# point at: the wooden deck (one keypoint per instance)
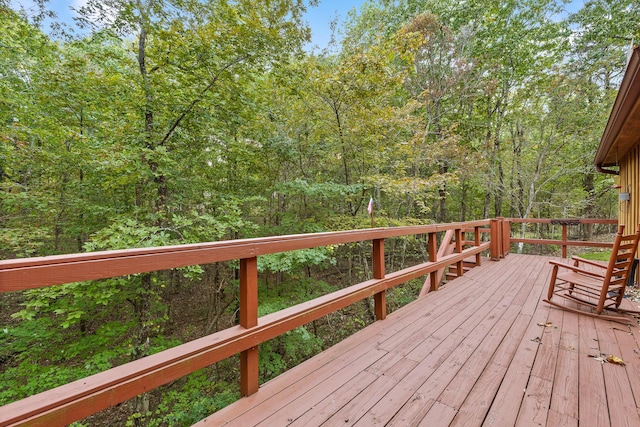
(483, 350)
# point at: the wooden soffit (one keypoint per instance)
(623, 128)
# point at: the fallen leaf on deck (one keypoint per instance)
(604, 358)
(536, 339)
(546, 325)
(614, 359)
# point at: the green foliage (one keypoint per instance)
(196, 397)
(402, 295)
(290, 293)
(38, 357)
(596, 256)
(293, 261)
(320, 191)
(286, 351)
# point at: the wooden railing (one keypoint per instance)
(454, 241)
(564, 223)
(79, 399)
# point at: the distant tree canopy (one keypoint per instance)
(177, 122)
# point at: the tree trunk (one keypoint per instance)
(140, 343)
(142, 304)
(463, 201)
(588, 185)
(442, 194)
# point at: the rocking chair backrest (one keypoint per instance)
(622, 257)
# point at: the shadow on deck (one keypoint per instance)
(483, 350)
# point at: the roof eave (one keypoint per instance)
(622, 106)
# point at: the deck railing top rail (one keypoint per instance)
(27, 273)
(552, 220)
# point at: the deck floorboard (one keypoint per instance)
(484, 350)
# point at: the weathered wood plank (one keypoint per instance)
(535, 405)
(508, 399)
(388, 404)
(413, 411)
(504, 410)
(457, 390)
(434, 360)
(317, 414)
(277, 411)
(557, 419)
(592, 402)
(438, 317)
(474, 409)
(372, 396)
(438, 411)
(552, 332)
(534, 299)
(630, 353)
(569, 335)
(475, 310)
(587, 336)
(564, 399)
(476, 406)
(622, 407)
(544, 365)
(336, 407)
(284, 387)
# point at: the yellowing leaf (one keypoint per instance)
(614, 359)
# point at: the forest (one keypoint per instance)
(162, 122)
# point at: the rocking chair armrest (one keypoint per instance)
(577, 269)
(588, 261)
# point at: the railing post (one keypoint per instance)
(459, 264)
(506, 236)
(564, 240)
(496, 240)
(380, 299)
(249, 319)
(432, 246)
(476, 231)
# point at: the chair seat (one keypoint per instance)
(583, 280)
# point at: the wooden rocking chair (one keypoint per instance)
(597, 285)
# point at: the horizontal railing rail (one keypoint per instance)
(81, 398)
(564, 223)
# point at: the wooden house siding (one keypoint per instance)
(629, 210)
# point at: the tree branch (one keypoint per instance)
(199, 98)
